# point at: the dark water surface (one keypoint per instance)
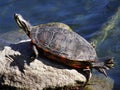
(95, 20)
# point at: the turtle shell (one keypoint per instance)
(62, 44)
(55, 25)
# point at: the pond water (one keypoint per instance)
(95, 20)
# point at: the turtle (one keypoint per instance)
(59, 43)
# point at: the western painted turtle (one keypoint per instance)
(63, 45)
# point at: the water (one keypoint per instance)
(95, 20)
(108, 43)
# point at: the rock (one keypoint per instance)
(100, 82)
(19, 72)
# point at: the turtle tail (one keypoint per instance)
(103, 66)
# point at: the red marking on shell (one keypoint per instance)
(87, 67)
(62, 57)
(76, 66)
(45, 50)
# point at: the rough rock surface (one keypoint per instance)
(17, 70)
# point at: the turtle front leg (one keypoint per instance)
(35, 52)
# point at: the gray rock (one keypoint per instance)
(17, 70)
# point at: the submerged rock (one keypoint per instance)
(19, 72)
(100, 82)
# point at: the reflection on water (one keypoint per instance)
(108, 43)
(108, 27)
(96, 20)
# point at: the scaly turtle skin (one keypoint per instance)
(58, 42)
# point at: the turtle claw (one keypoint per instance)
(107, 68)
(101, 70)
(109, 63)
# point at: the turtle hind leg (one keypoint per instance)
(87, 73)
(35, 52)
(103, 66)
(109, 63)
(101, 70)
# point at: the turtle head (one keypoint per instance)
(22, 23)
